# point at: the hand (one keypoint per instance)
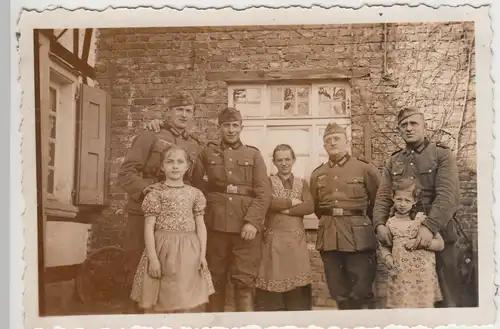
(286, 211)
(412, 244)
(384, 235)
(425, 236)
(389, 262)
(296, 202)
(248, 232)
(155, 125)
(155, 268)
(152, 187)
(203, 262)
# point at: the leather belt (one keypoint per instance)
(341, 212)
(232, 189)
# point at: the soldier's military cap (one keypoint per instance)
(407, 112)
(229, 114)
(333, 128)
(181, 99)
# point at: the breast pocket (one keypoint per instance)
(246, 167)
(356, 187)
(427, 176)
(397, 172)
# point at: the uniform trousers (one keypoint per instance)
(228, 254)
(349, 277)
(298, 299)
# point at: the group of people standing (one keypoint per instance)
(201, 216)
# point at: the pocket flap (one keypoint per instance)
(356, 180)
(245, 162)
(360, 221)
(215, 160)
(428, 169)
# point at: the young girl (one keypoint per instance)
(172, 275)
(412, 281)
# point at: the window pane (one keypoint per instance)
(53, 99)
(253, 96)
(289, 109)
(276, 94)
(303, 94)
(239, 96)
(52, 153)
(325, 94)
(276, 109)
(325, 109)
(303, 109)
(50, 181)
(289, 95)
(339, 108)
(52, 123)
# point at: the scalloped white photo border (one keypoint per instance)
(60, 18)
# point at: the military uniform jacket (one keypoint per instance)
(236, 186)
(141, 166)
(434, 167)
(344, 193)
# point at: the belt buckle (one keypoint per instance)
(337, 211)
(231, 189)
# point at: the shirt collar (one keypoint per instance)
(176, 132)
(419, 148)
(224, 145)
(283, 179)
(340, 161)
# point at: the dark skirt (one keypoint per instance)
(298, 299)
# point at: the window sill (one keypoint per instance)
(58, 209)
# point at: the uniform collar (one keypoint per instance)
(340, 161)
(224, 145)
(418, 149)
(183, 134)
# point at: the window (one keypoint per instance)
(61, 115)
(294, 114)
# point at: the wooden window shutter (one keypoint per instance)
(92, 170)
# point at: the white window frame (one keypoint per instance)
(66, 84)
(313, 121)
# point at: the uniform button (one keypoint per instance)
(336, 201)
(230, 213)
(430, 170)
(230, 199)
(412, 151)
(335, 177)
(411, 163)
(394, 173)
(412, 177)
(230, 172)
(230, 159)
(336, 190)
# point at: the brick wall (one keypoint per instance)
(427, 65)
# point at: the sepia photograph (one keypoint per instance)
(270, 167)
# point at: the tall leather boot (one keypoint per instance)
(217, 301)
(244, 299)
